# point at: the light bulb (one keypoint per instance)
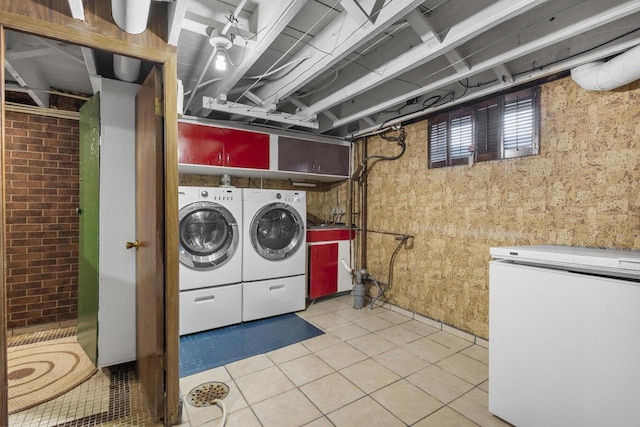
(221, 59)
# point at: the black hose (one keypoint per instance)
(403, 241)
(400, 139)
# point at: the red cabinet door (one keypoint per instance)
(214, 146)
(200, 145)
(323, 270)
(243, 149)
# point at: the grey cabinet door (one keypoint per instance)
(332, 159)
(296, 155)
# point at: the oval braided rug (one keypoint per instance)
(41, 372)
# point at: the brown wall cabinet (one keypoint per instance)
(297, 155)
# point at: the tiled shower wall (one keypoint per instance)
(42, 225)
(583, 189)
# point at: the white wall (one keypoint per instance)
(117, 298)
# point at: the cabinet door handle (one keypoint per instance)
(228, 161)
(276, 287)
(206, 298)
(219, 158)
(313, 167)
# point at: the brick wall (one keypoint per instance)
(42, 166)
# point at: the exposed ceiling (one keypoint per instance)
(344, 67)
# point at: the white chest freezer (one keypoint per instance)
(564, 336)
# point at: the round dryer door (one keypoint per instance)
(276, 231)
(208, 235)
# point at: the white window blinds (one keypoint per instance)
(518, 124)
(498, 128)
(461, 136)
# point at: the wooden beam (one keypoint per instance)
(57, 48)
(271, 20)
(77, 9)
(51, 20)
(14, 55)
(423, 27)
(29, 77)
(211, 104)
(4, 391)
(89, 60)
(536, 74)
(463, 31)
(340, 37)
(565, 32)
(176, 13)
(355, 12)
(459, 63)
(503, 74)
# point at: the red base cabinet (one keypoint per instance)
(215, 146)
(323, 270)
(327, 248)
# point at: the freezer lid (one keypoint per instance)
(612, 262)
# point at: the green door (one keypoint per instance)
(88, 278)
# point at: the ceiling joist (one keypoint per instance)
(211, 104)
(340, 37)
(29, 77)
(465, 30)
(566, 31)
(273, 20)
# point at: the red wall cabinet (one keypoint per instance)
(323, 270)
(213, 146)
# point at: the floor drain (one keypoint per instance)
(205, 394)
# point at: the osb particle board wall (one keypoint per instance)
(582, 190)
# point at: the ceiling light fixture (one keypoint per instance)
(220, 61)
(221, 44)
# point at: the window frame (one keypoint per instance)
(494, 147)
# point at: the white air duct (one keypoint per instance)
(125, 68)
(619, 71)
(131, 15)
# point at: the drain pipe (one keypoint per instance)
(363, 209)
(131, 16)
(619, 71)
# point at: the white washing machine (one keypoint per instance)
(273, 252)
(210, 238)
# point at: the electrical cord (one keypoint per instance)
(224, 411)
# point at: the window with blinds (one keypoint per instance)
(498, 128)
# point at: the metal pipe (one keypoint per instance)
(363, 210)
(204, 70)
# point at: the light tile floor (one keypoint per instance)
(371, 368)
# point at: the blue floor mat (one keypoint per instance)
(210, 349)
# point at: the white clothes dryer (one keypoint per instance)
(210, 249)
(273, 252)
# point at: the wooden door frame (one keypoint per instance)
(53, 20)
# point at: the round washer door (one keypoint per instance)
(276, 231)
(208, 235)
